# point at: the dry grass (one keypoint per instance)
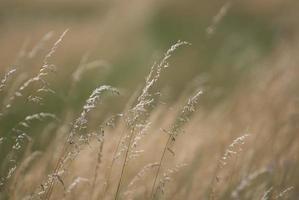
(134, 155)
(245, 147)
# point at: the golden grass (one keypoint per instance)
(244, 147)
(209, 156)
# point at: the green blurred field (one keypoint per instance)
(131, 35)
(247, 70)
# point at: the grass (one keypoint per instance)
(244, 147)
(87, 161)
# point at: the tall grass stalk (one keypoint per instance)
(139, 113)
(175, 130)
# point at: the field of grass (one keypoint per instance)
(149, 100)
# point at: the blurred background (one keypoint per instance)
(244, 56)
(118, 41)
(127, 37)
(234, 43)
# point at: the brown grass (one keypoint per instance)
(244, 147)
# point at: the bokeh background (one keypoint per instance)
(130, 35)
(247, 65)
(122, 39)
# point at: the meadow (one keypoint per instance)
(149, 100)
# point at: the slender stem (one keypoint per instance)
(50, 189)
(99, 160)
(106, 186)
(124, 165)
(159, 167)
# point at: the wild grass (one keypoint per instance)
(152, 149)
